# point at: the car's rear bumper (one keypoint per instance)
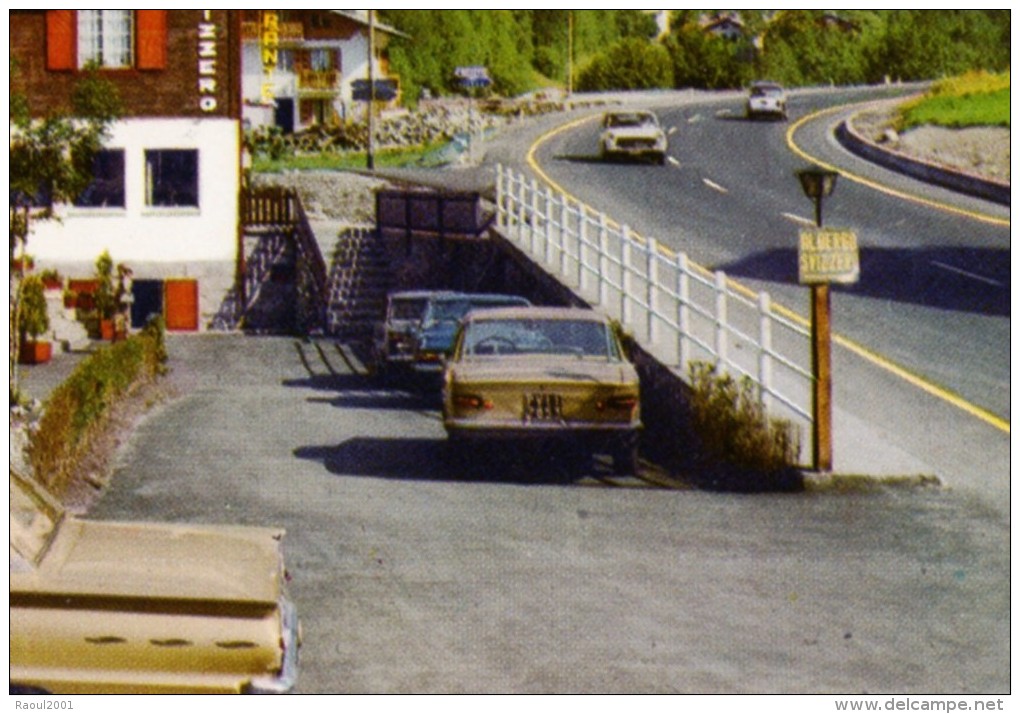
(290, 638)
(468, 430)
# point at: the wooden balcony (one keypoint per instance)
(311, 81)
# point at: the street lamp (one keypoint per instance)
(819, 184)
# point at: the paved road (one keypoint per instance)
(411, 579)
(934, 289)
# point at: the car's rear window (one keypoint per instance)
(584, 338)
(455, 309)
(407, 308)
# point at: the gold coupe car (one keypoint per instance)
(541, 374)
(103, 607)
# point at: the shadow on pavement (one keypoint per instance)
(963, 279)
(430, 460)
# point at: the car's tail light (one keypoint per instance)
(621, 403)
(471, 401)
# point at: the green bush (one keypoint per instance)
(78, 410)
(33, 319)
(735, 433)
(628, 64)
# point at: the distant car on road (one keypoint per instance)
(766, 99)
(109, 608)
(634, 134)
(433, 340)
(542, 375)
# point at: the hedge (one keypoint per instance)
(76, 412)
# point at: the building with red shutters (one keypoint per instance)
(164, 197)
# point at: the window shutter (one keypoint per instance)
(151, 29)
(60, 26)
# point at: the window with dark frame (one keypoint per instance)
(171, 177)
(107, 186)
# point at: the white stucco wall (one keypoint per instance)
(138, 232)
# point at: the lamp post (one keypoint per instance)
(817, 185)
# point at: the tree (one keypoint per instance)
(51, 160)
(703, 60)
(631, 63)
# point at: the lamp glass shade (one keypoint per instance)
(817, 182)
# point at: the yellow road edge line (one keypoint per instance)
(940, 392)
(983, 217)
(845, 342)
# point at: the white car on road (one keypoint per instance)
(632, 133)
(766, 99)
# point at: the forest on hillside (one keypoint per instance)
(619, 49)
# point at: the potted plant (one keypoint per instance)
(105, 300)
(51, 279)
(22, 264)
(33, 321)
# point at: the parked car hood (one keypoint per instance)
(178, 562)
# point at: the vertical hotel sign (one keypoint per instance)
(207, 55)
(270, 42)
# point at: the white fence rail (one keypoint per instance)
(678, 311)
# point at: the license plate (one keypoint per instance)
(543, 407)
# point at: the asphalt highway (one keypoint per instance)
(934, 289)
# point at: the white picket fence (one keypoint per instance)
(678, 311)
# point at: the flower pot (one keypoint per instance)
(106, 331)
(84, 290)
(35, 352)
(22, 265)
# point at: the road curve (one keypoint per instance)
(933, 302)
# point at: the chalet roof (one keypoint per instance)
(361, 17)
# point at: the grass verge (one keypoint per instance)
(973, 99)
(428, 156)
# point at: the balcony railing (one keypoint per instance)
(315, 80)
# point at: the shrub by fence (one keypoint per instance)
(78, 410)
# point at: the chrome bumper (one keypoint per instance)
(286, 678)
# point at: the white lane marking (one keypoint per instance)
(692, 119)
(966, 273)
(672, 130)
(798, 219)
(673, 161)
(723, 112)
(712, 184)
